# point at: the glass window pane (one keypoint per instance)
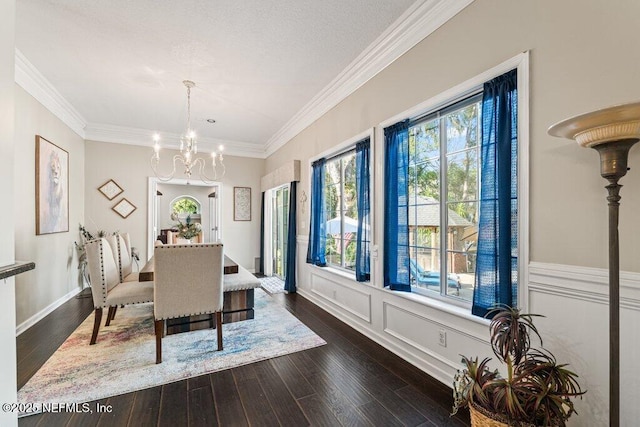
(425, 269)
(350, 253)
(426, 140)
(426, 179)
(332, 201)
(462, 245)
(462, 128)
(350, 198)
(462, 176)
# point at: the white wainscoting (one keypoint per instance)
(576, 329)
(573, 299)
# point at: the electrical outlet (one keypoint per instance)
(442, 337)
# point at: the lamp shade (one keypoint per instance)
(597, 127)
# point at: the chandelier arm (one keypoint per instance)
(154, 166)
(201, 163)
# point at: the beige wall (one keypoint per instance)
(584, 55)
(130, 167)
(7, 255)
(56, 273)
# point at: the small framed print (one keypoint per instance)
(110, 189)
(242, 203)
(124, 208)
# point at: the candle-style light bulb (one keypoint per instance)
(156, 145)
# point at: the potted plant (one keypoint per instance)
(536, 391)
(186, 230)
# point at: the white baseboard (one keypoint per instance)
(406, 354)
(43, 313)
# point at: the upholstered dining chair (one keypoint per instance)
(188, 282)
(107, 289)
(121, 246)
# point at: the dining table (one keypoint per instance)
(238, 304)
(146, 273)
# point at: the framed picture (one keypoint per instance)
(110, 189)
(242, 203)
(124, 208)
(52, 188)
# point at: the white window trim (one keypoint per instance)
(344, 146)
(521, 63)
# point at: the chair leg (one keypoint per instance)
(159, 330)
(113, 316)
(96, 325)
(219, 329)
(110, 315)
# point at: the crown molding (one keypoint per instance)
(143, 137)
(418, 22)
(36, 85)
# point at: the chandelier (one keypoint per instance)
(188, 152)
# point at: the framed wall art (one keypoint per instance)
(242, 203)
(52, 188)
(110, 189)
(124, 208)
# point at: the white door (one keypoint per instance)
(214, 215)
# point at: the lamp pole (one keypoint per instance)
(611, 132)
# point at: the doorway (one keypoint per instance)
(208, 196)
(279, 229)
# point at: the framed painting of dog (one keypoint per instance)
(52, 188)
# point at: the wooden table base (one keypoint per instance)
(238, 306)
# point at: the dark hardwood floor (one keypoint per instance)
(351, 381)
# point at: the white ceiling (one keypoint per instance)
(255, 63)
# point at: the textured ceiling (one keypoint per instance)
(255, 62)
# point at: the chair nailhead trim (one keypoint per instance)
(119, 258)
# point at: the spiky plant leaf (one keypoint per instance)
(510, 333)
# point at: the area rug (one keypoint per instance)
(272, 284)
(123, 359)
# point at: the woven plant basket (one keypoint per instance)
(480, 417)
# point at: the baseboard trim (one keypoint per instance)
(45, 311)
(415, 359)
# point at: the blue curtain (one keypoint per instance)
(363, 238)
(262, 234)
(396, 213)
(497, 261)
(317, 234)
(290, 272)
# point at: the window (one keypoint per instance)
(184, 206)
(452, 213)
(443, 199)
(341, 210)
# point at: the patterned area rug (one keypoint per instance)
(272, 284)
(123, 359)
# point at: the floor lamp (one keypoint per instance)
(612, 132)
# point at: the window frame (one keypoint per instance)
(337, 150)
(463, 90)
(440, 115)
(341, 156)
